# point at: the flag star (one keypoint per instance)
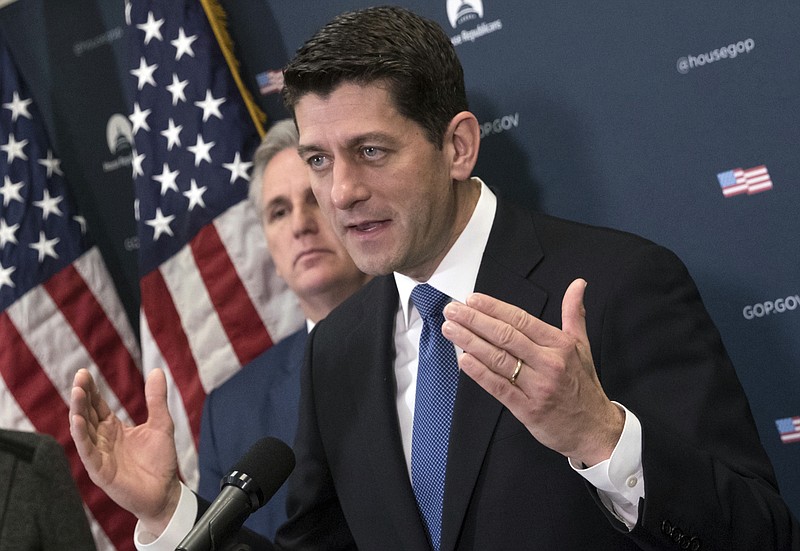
(172, 134)
(45, 247)
(167, 179)
(176, 89)
(195, 195)
(18, 107)
(136, 164)
(151, 28)
(238, 168)
(144, 73)
(81, 222)
(15, 149)
(201, 150)
(210, 106)
(5, 276)
(49, 205)
(183, 44)
(10, 191)
(160, 224)
(8, 234)
(52, 164)
(139, 118)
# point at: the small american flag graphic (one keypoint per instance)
(789, 429)
(270, 82)
(744, 180)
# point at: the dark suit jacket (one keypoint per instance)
(709, 483)
(40, 508)
(259, 400)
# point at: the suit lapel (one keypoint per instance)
(371, 346)
(511, 254)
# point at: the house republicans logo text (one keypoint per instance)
(462, 13)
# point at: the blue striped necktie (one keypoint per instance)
(437, 380)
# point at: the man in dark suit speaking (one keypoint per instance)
(595, 406)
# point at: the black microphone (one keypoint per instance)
(253, 481)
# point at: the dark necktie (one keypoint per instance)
(437, 380)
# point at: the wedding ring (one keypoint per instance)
(513, 378)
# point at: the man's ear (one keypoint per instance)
(464, 137)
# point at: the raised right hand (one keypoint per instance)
(136, 466)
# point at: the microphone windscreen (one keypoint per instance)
(269, 462)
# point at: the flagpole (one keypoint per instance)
(217, 19)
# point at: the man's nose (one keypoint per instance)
(304, 219)
(348, 187)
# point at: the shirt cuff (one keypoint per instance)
(620, 479)
(179, 525)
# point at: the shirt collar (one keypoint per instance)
(456, 274)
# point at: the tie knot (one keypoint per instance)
(429, 301)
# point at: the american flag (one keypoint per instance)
(789, 429)
(748, 180)
(270, 82)
(59, 310)
(210, 298)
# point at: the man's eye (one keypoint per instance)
(317, 161)
(371, 152)
(276, 214)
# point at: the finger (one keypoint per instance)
(80, 404)
(573, 312)
(533, 328)
(155, 394)
(83, 435)
(501, 361)
(494, 342)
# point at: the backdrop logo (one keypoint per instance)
(119, 137)
(687, 63)
(769, 307)
(460, 12)
(789, 429)
(498, 126)
(470, 14)
(747, 180)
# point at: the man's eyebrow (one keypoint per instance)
(277, 200)
(303, 150)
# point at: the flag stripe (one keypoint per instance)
(32, 391)
(240, 230)
(239, 318)
(92, 269)
(210, 347)
(165, 326)
(99, 338)
(184, 439)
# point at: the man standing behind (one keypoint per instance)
(261, 399)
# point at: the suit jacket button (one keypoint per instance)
(666, 528)
(695, 544)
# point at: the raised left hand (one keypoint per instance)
(556, 393)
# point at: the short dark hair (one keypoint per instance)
(411, 54)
